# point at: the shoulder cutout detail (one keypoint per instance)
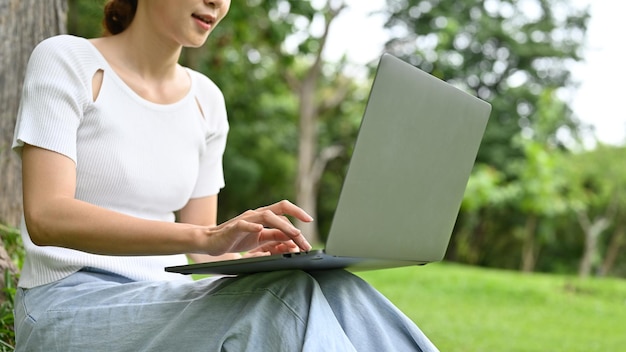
(200, 107)
(96, 83)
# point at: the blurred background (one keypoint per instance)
(547, 193)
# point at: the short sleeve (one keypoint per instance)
(211, 172)
(53, 98)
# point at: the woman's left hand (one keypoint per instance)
(273, 248)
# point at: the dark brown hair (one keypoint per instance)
(118, 14)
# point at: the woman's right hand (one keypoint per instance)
(266, 229)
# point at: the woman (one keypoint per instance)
(115, 138)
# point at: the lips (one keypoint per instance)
(208, 19)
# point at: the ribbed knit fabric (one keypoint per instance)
(132, 156)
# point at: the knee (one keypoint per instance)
(280, 283)
(291, 282)
(294, 289)
(338, 277)
(341, 283)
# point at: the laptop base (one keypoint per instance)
(307, 261)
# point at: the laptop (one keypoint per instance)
(414, 152)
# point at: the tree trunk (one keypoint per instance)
(586, 261)
(309, 161)
(592, 230)
(612, 252)
(528, 248)
(23, 24)
(306, 185)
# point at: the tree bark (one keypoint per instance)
(528, 248)
(612, 252)
(309, 161)
(23, 24)
(306, 193)
(593, 230)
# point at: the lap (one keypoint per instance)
(278, 311)
(93, 311)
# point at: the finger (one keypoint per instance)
(242, 226)
(256, 253)
(282, 217)
(285, 219)
(266, 217)
(270, 220)
(285, 207)
(288, 247)
(271, 235)
(278, 248)
(278, 235)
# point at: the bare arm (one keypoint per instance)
(203, 211)
(54, 217)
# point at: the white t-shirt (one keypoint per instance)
(132, 156)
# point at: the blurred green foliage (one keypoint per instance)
(525, 198)
(11, 241)
(504, 51)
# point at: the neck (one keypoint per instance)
(148, 54)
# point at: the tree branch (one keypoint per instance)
(331, 14)
(340, 95)
(327, 154)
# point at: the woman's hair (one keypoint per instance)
(118, 14)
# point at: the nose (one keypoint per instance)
(214, 3)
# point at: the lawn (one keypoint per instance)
(467, 309)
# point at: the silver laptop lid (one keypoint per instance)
(415, 150)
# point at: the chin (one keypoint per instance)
(194, 46)
(196, 43)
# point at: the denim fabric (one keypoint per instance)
(278, 311)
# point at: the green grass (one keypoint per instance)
(463, 308)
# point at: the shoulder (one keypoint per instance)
(71, 52)
(62, 45)
(204, 87)
(211, 100)
(62, 64)
(63, 40)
